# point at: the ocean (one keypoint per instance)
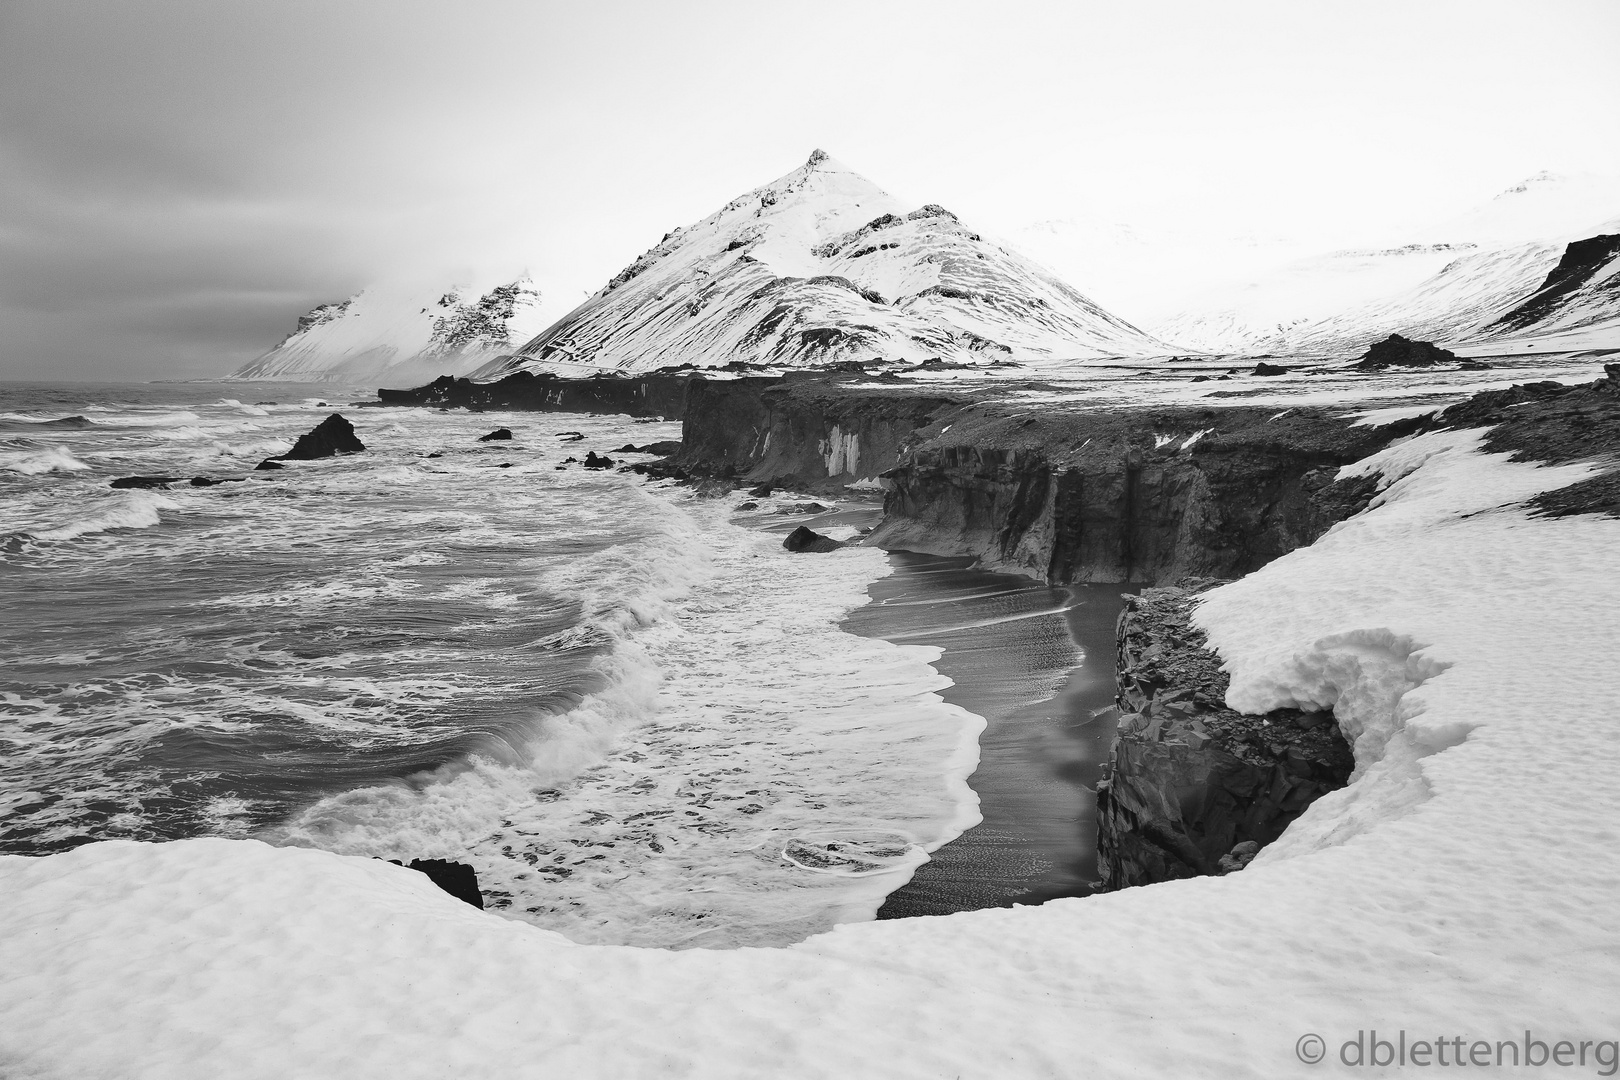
(637, 717)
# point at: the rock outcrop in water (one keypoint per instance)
(805, 539)
(1194, 788)
(332, 436)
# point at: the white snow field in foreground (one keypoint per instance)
(1460, 887)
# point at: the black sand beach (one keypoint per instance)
(1005, 638)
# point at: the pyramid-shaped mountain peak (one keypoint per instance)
(823, 266)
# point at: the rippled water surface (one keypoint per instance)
(637, 718)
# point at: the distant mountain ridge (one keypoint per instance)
(1456, 282)
(394, 333)
(822, 266)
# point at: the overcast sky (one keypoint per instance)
(179, 181)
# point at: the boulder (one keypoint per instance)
(267, 464)
(1396, 351)
(594, 462)
(763, 491)
(1263, 368)
(804, 539)
(498, 435)
(748, 506)
(330, 437)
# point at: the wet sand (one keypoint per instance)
(1035, 661)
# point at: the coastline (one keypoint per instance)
(1035, 661)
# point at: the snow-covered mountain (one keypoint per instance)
(822, 266)
(1578, 303)
(399, 332)
(1452, 283)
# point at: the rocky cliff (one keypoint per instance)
(811, 433)
(649, 395)
(1190, 780)
(1070, 494)
(1060, 492)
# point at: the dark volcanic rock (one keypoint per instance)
(1263, 368)
(663, 449)
(1581, 262)
(1194, 788)
(1396, 351)
(148, 481)
(331, 436)
(762, 491)
(267, 464)
(805, 539)
(647, 396)
(594, 462)
(1078, 494)
(457, 879)
(498, 435)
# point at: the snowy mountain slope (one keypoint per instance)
(1146, 270)
(821, 266)
(1454, 281)
(1581, 293)
(399, 332)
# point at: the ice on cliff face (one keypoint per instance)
(1449, 284)
(1460, 887)
(402, 333)
(823, 266)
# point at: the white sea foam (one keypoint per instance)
(126, 510)
(35, 462)
(155, 420)
(757, 772)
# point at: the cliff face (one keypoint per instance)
(1148, 495)
(810, 433)
(1189, 780)
(650, 395)
(1057, 492)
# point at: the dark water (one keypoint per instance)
(1036, 662)
(205, 661)
(626, 706)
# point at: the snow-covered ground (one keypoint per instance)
(1459, 888)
